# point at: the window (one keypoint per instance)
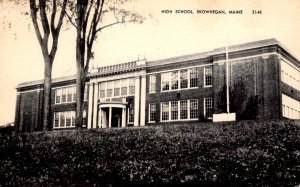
(68, 119)
(174, 110)
(130, 115)
(152, 83)
(179, 110)
(58, 95)
(290, 107)
(174, 80)
(194, 109)
(109, 89)
(70, 94)
(165, 111)
(193, 77)
(64, 119)
(73, 118)
(183, 110)
(56, 119)
(65, 94)
(183, 78)
(152, 111)
(208, 107)
(132, 86)
(102, 89)
(290, 74)
(117, 87)
(165, 81)
(179, 79)
(124, 84)
(208, 76)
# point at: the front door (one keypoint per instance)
(116, 117)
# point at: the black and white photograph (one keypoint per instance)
(120, 93)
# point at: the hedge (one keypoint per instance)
(232, 154)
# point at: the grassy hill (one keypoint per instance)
(243, 153)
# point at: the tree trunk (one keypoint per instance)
(79, 96)
(47, 94)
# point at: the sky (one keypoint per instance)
(160, 36)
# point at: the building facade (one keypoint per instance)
(263, 81)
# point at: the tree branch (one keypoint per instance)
(44, 19)
(33, 11)
(70, 19)
(53, 14)
(56, 31)
(109, 25)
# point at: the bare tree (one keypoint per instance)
(48, 27)
(47, 19)
(88, 19)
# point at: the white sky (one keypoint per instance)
(165, 35)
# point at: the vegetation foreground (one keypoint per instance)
(244, 153)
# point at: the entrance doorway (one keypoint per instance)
(110, 116)
(116, 117)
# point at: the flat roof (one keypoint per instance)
(201, 55)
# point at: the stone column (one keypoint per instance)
(95, 105)
(123, 117)
(109, 118)
(137, 102)
(143, 100)
(90, 106)
(99, 117)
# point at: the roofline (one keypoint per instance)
(222, 50)
(189, 57)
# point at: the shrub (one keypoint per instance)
(244, 153)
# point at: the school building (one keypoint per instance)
(263, 82)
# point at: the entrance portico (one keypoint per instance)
(112, 112)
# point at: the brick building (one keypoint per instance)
(263, 81)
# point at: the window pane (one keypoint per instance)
(62, 119)
(174, 110)
(70, 93)
(152, 111)
(152, 83)
(68, 119)
(124, 85)
(124, 91)
(132, 86)
(208, 76)
(184, 78)
(165, 81)
(183, 110)
(109, 93)
(56, 119)
(194, 109)
(58, 95)
(208, 107)
(109, 87)
(64, 95)
(117, 92)
(73, 118)
(165, 111)
(174, 80)
(117, 85)
(130, 115)
(193, 77)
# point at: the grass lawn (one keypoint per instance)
(231, 154)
